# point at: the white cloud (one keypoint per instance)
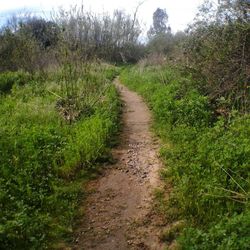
(180, 12)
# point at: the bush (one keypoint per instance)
(221, 68)
(8, 79)
(231, 233)
(210, 170)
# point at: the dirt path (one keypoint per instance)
(119, 212)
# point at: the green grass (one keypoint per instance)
(207, 159)
(45, 161)
(8, 79)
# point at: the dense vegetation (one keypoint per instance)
(34, 44)
(47, 151)
(207, 159)
(59, 113)
(197, 85)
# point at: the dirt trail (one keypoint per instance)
(119, 212)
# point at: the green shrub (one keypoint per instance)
(210, 169)
(8, 79)
(111, 72)
(230, 233)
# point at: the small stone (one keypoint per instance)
(130, 242)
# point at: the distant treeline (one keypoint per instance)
(30, 43)
(214, 49)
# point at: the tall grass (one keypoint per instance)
(207, 160)
(45, 160)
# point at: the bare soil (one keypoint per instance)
(119, 213)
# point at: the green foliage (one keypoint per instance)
(231, 233)
(8, 79)
(217, 53)
(18, 52)
(162, 43)
(207, 158)
(32, 43)
(214, 164)
(160, 20)
(173, 231)
(46, 33)
(111, 72)
(45, 161)
(160, 37)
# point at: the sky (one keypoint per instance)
(180, 12)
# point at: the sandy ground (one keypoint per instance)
(119, 213)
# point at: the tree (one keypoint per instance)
(160, 20)
(18, 51)
(110, 37)
(46, 33)
(160, 37)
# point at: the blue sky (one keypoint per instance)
(181, 12)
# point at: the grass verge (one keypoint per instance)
(207, 161)
(45, 159)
